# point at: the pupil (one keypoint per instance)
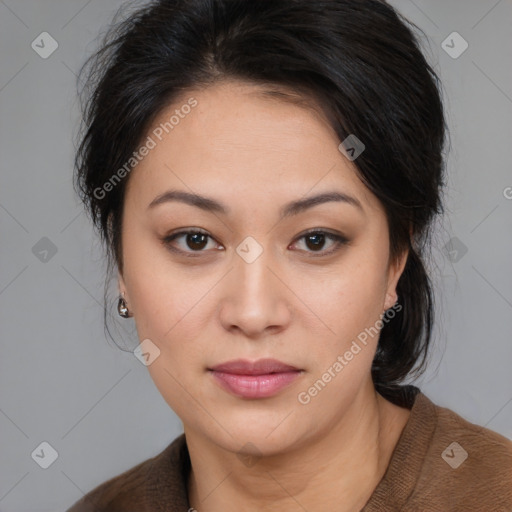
(319, 240)
(197, 238)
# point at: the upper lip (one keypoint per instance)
(260, 367)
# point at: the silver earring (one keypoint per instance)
(122, 308)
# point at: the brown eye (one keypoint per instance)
(190, 241)
(196, 241)
(315, 242)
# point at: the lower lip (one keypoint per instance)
(255, 386)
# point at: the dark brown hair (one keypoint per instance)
(360, 62)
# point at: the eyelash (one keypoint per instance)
(338, 239)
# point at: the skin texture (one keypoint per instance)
(294, 303)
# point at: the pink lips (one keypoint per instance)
(259, 379)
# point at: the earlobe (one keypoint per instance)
(122, 301)
(121, 285)
(390, 300)
(395, 272)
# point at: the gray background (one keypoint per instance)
(62, 382)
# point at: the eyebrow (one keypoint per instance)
(293, 208)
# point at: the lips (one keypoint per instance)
(260, 367)
(250, 380)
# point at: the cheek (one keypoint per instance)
(168, 306)
(172, 385)
(346, 300)
(349, 304)
(160, 293)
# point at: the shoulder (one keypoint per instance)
(128, 490)
(116, 494)
(466, 465)
(474, 446)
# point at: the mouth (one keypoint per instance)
(260, 379)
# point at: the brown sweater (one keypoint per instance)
(441, 463)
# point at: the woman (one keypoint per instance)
(265, 175)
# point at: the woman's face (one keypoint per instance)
(255, 287)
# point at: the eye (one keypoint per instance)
(193, 240)
(315, 241)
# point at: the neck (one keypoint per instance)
(334, 470)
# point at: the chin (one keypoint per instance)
(257, 440)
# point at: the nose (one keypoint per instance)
(255, 299)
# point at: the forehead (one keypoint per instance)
(241, 139)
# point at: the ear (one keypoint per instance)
(122, 286)
(395, 270)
